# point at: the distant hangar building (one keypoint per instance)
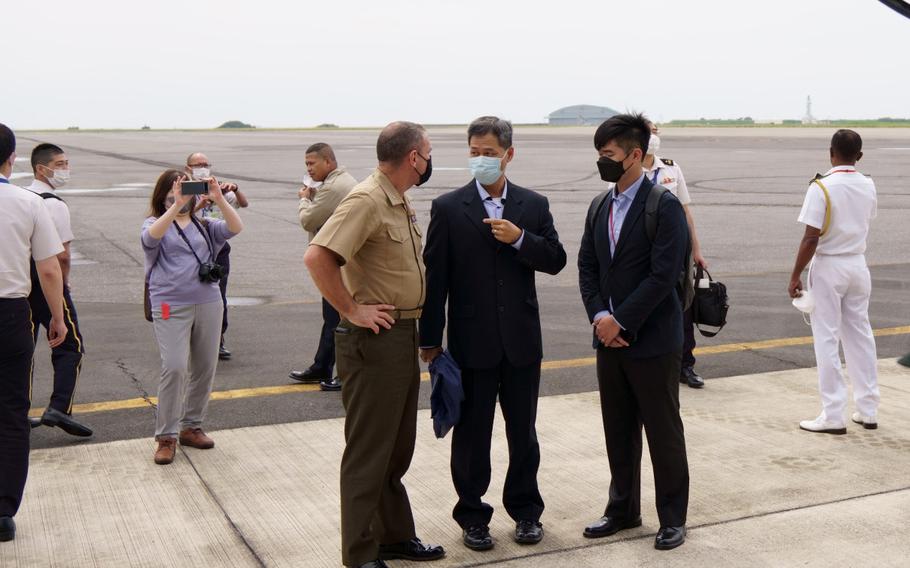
(580, 115)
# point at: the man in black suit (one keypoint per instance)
(484, 244)
(628, 280)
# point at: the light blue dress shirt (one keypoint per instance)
(620, 203)
(495, 206)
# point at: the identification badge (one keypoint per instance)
(165, 311)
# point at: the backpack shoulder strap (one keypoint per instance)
(596, 206)
(651, 206)
(49, 195)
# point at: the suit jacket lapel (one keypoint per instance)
(635, 211)
(512, 209)
(476, 212)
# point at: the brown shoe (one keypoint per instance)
(167, 447)
(196, 438)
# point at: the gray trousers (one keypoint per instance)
(188, 341)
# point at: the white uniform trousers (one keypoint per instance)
(841, 286)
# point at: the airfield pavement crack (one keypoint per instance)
(120, 247)
(721, 522)
(162, 164)
(136, 382)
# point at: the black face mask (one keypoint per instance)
(425, 176)
(610, 170)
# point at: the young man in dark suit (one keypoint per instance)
(628, 282)
(484, 244)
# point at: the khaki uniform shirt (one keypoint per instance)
(375, 232)
(26, 230)
(315, 212)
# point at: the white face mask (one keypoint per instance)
(486, 169)
(654, 144)
(202, 173)
(310, 182)
(59, 178)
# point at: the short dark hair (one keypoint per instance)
(324, 150)
(7, 143)
(44, 153)
(628, 131)
(397, 140)
(498, 127)
(846, 144)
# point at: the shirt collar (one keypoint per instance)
(391, 193)
(631, 191)
(334, 173)
(654, 167)
(852, 169)
(39, 186)
(484, 194)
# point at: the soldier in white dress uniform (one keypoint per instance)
(838, 210)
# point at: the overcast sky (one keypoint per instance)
(167, 63)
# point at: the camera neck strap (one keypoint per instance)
(204, 237)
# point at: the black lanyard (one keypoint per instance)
(204, 237)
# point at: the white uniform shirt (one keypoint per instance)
(853, 206)
(26, 229)
(211, 210)
(669, 176)
(58, 210)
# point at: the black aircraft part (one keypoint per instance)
(902, 8)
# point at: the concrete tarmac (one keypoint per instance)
(763, 493)
(747, 186)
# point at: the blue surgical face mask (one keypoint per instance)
(486, 169)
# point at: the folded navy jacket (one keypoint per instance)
(447, 394)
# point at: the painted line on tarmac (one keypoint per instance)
(107, 406)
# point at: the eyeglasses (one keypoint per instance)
(202, 165)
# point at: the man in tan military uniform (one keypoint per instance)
(316, 206)
(366, 261)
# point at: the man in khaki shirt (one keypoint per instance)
(316, 206)
(366, 261)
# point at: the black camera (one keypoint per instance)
(210, 272)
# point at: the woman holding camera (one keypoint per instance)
(186, 306)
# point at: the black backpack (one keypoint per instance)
(685, 286)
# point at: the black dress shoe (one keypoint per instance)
(605, 526)
(374, 564)
(691, 378)
(223, 353)
(670, 537)
(34, 421)
(477, 537)
(7, 529)
(411, 550)
(528, 532)
(310, 376)
(65, 422)
(330, 385)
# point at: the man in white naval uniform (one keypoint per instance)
(838, 210)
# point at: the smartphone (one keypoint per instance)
(194, 187)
